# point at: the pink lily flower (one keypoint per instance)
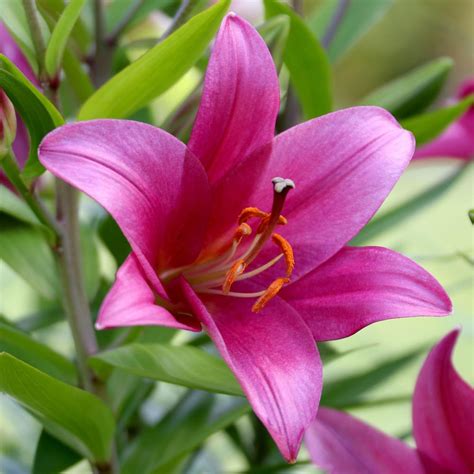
(203, 254)
(443, 427)
(457, 141)
(10, 49)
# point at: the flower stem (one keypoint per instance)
(103, 53)
(37, 36)
(124, 22)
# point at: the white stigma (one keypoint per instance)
(280, 184)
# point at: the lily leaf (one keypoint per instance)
(427, 126)
(12, 205)
(60, 36)
(81, 420)
(24, 347)
(38, 113)
(307, 62)
(157, 70)
(357, 18)
(183, 429)
(413, 92)
(180, 365)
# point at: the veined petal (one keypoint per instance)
(131, 302)
(274, 358)
(443, 415)
(363, 285)
(343, 164)
(240, 100)
(154, 188)
(342, 444)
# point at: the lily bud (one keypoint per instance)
(7, 123)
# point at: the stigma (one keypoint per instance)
(255, 228)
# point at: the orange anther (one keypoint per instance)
(235, 270)
(270, 292)
(250, 212)
(287, 251)
(241, 231)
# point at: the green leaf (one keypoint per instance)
(24, 250)
(114, 239)
(38, 113)
(347, 390)
(76, 77)
(12, 205)
(81, 420)
(413, 92)
(52, 456)
(307, 62)
(157, 70)
(40, 319)
(60, 36)
(358, 17)
(427, 126)
(407, 209)
(470, 213)
(180, 365)
(275, 32)
(90, 261)
(183, 429)
(24, 347)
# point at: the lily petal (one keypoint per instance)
(131, 302)
(360, 286)
(154, 188)
(344, 164)
(342, 444)
(274, 358)
(240, 100)
(443, 416)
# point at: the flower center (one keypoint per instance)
(217, 276)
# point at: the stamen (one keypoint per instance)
(241, 231)
(270, 292)
(250, 212)
(236, 294)
(287, 251)
(235, 270)
(281, 221)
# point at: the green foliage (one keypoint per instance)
(275, 32)
(183, 429)
(413, 92)
(181, 365)
(60, 36)
(157, 70)
(15, 207)
(76, 417)
(357, 18)
(24, 347)
(39, 115)
(52, 456)
(428, 126)
(307, 62)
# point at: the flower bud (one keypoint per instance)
(7, 123)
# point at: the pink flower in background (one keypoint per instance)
(221, 239)
(10, 49)
(443, 427)
(457, 141)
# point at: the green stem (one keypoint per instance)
(12, 171)
(103, 53)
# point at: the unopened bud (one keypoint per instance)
(7, 123)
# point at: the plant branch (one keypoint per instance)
(39, 44)
(335, 22)
(124, 22)
(103, 54)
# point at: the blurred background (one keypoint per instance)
(439, 235)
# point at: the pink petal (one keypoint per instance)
(240, 100)
(147, 180)
(131, 302)
(342, 444)
(344, 164)
(360, 286)
(443, 415)
(273, 356)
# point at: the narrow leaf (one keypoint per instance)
(60, 36)
(307, 62)
(12, 205)
(84, 422)
(413, 92)
(180, 365)
(157, 70)
(24, 347)
(427, 126)
(183, 429)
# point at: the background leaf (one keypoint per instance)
(180, 365)
(307, 62)
(412, 93)
(157, 70)
(81, 419)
